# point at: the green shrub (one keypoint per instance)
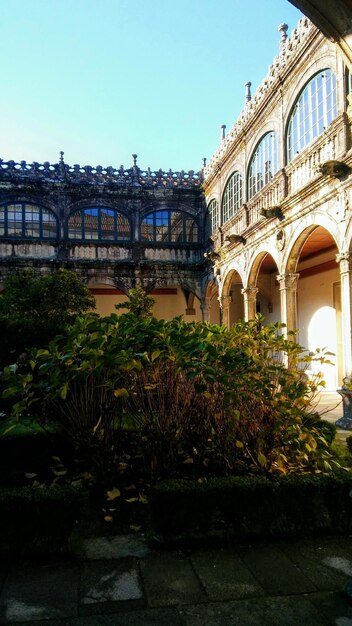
(219, 401)
(349, 443)
(252, 506)
(39, 521)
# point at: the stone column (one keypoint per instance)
(344, 261)
(225, 303)
(288, 300)
(205, 308)
(250, 302)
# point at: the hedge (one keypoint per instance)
(39, 521)
(238, 508)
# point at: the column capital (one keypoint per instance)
(225, 301)
(287, 281)
(250, 293)
(344, 260)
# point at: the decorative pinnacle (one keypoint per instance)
(283, 30)
(61, 156)
(248, 95)
(223, 128)
(134, 159)
(204, 162)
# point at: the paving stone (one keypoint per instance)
(170, 580)
(224, 575)
(115, 547)
(334, 607)
(148, 617)
(39, 592)
(108, 586)
(322, 576)
(330, 553)
(256, 612)
(274, 571)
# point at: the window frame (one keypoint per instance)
(23, 208)
(259, 153)
(83, 227)
(305, 113)
(168, 227)
(232, 196)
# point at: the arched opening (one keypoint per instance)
(212, 312)
(232, 299)
(268, 295)
(319, 298)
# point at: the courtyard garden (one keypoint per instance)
(128, 423)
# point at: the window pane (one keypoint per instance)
(232, 198)
(107, 217)
(32, 220)
(315, 109)
(75, 225)
(123, 227)
(91, 223)
(49, 224)
(14, 220)
(191, 229)
(264, 164)
(161, 225)
(176, 223)
(147, 228)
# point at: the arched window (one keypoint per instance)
(169, 227)
(232, 197)
(27, 221)
(98, 223)
(313, 112)
(213, 216)
(263, 165)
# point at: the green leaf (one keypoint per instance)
(121, 393)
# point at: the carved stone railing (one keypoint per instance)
(88, 175)
(237, 224)
(269, 197)
(288, 53)
(304, 167)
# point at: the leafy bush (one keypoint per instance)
(203, 399)
(252, 506)
(34, 309)
(349, 443)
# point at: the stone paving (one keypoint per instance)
(282, 583)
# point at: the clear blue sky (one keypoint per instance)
(102, 79)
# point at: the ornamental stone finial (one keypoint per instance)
(248, 95)
(283, 30)
(134, 159)
(61, 156)
(222, 134)
(204, 162)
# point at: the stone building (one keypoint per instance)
(266, 226)
(279, 194)
(116, 228)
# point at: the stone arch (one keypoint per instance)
(257, 259)
(300, 234)
(211, 304)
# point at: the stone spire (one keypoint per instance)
(222, 134)
(283, 30)
(248, 95)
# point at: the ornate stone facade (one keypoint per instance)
(276, 251)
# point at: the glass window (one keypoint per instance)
(99, 223)
(213, 213)
(313, 112)
(27, 221)
(263, 165)
(232, 197)
(169, 227)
